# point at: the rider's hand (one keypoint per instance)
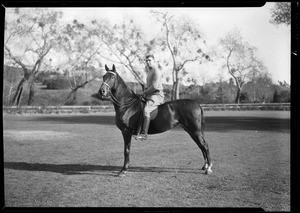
(143, 96)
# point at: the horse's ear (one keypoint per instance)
(106, 68)
(114, 68)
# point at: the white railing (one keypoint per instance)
(108, 108)
(247, 106)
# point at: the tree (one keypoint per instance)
(259, 89)
(281, 13)
(240, 60)
(182, 39)
(125, 44)
(282, 93)
(82, 51)
(223, 92)
(30, 34)
(11, 78)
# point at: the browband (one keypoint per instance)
(112, 72)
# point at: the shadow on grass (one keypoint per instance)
(212, 124)
(77, 169)
(80, 119)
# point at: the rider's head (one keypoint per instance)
(150, 60)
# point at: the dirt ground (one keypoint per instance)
(71, 160)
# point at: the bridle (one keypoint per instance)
(113, 98)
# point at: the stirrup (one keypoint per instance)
(135, 137)
(141, 137)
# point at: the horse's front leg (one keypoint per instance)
(127, 134)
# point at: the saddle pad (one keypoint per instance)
(153, 114)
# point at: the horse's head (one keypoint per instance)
(109, 81)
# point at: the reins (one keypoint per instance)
(114, 100)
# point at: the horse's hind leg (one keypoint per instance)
(200, 141)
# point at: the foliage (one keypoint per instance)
(282, 93)
(42, 76)
(240, 60)
(260, 88)
(182, 40)
(11, 77)
(30, 34)
(281, 13)
(57, 83)
(221, 92)
(82, 51)
(124, 43)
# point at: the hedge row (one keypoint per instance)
(56, 83)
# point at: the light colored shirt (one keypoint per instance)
(154, 81)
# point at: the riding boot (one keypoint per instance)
(137, 131)
(143, 135)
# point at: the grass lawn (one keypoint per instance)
(72, 161)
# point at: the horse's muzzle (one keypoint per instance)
(103, 93)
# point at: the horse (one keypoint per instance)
(129, 106)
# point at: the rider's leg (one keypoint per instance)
(143, 135)
(146, 123)
(137, 131)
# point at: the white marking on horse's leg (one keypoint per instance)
(208, 170)
(205, 166)
(122, 173)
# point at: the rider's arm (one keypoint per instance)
(149, 90)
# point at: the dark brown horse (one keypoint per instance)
(128, 106)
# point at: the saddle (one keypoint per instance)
(153, 114)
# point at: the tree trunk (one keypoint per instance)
(31, 94)
(238, 95)
(70, 96)
(173, 91)
(276, 96)
(9, 95)
(176, 84)
(18, 94)
(31, 90)
(20, 97)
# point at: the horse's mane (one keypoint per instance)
(125, 90)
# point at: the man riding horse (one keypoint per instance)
(153, 94)
(129, 107)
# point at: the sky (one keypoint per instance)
(272, 42)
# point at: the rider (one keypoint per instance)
(153, 93)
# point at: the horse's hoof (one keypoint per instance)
(121, 174)
(208, 171)
(204, 168)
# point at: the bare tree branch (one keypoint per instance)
(15, 59)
